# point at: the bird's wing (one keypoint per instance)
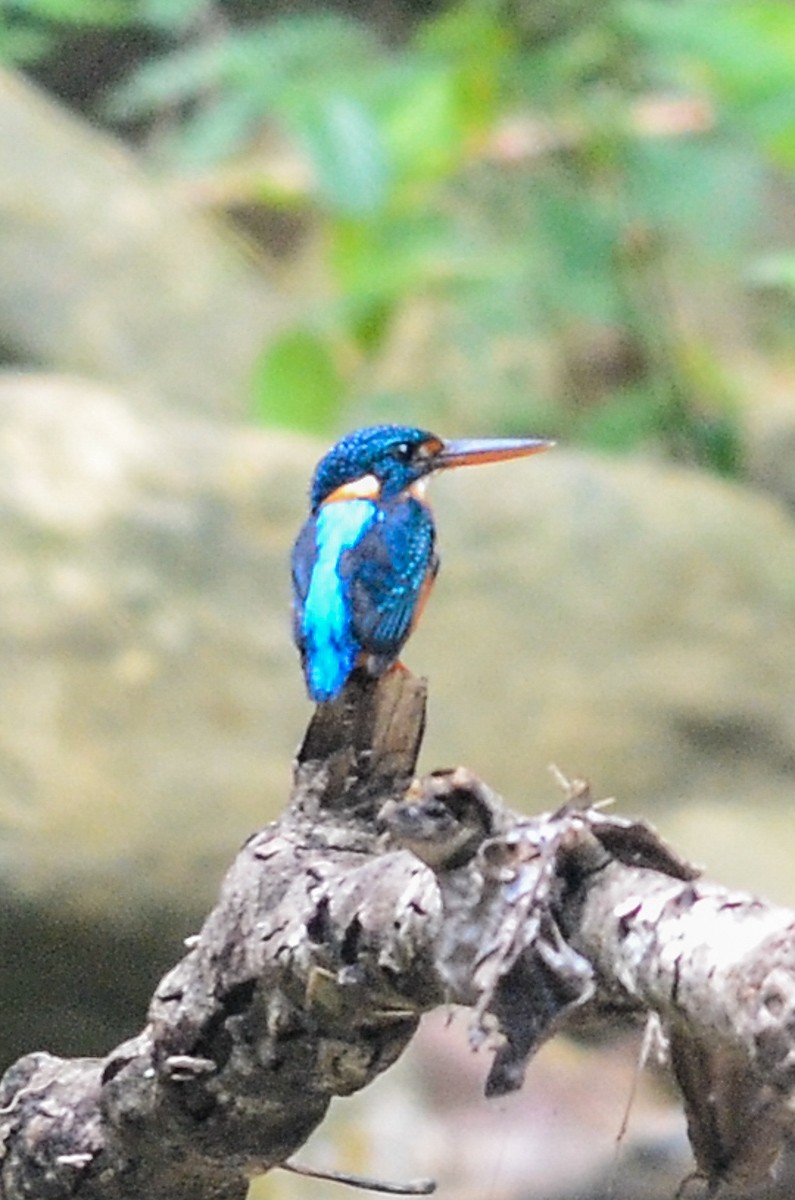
(303, 559)
(389, 569)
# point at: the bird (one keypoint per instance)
(365, 559)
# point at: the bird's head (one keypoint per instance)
(385, 460)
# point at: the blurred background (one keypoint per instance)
(231, 230)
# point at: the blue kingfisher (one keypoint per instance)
(365, 560)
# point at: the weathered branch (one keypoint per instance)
(330, 938)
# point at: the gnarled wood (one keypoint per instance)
(328, 942)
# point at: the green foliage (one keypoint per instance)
(171, 16)
(543, 179)
(29, 28)
(296, 383)
(67, 12)
(776, 271)
(289, 69)
(22, 43)
(347, 153)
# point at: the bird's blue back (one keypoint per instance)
(322, 608)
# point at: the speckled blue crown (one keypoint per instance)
(381, 450)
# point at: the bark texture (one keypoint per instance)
(375, 898)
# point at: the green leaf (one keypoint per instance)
(171, 15)
(23, 45)
(175, 78)
(717, 443)
(72, 12)
(425, 126)
(745, 48)
(215, 130)
(296, 383)
(470, 29)
(387, 257)
(774, 271)
(275, 65)
(347, 153)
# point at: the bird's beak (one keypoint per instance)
(466, 452)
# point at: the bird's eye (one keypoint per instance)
(403, 452)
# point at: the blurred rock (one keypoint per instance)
(104, 271)
(152, 697)
(428, 1117)
(628, 621)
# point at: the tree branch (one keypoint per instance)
(330, 938)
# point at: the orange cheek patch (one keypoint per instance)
(365, 488)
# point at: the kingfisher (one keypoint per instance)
(365, 560)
